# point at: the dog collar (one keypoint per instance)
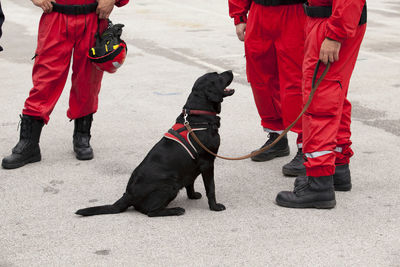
(198, 112)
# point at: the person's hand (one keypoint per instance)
(44, 4)
(329, 51)
(240, 30)
(104, 8)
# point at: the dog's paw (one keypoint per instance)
(178, 211)
(195, 195)
(217, 207)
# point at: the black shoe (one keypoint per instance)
(317, 193)
(341, 178)
(280, 149)
(81, 140)
(295, 167)
(27, 150)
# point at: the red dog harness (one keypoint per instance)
(180, 134)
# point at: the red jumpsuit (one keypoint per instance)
(274, 43)
(61, 36)
(326, 124)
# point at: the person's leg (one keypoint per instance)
(50, 71)
(326, 124)
(343, 151)
(262, 74)
(86, 83)
(290, 54)
(86, 78)
(322, 120)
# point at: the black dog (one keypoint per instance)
(176, 161)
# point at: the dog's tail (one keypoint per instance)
(120, 206)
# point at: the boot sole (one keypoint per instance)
(343, 187)
(316, 205)
(283, 153)
(83, 157)
(293, 173)
(10, 166)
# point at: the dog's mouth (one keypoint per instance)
(228, 92)
(227, 78)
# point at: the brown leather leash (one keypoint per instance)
(314, 87)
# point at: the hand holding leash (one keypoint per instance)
(329, 51)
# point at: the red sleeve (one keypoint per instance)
(238, 10)
(120, 3)
(344, 20)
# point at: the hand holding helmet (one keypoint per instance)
(104, 8)
(110, 51)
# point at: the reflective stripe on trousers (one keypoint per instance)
(322, 153)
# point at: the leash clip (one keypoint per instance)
(185, 115)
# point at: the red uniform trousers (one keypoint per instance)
(60, 37)
(274, 44)
(326, 124)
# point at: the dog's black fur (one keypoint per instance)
(167, 168)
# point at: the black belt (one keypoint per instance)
(278, 2)
(326, 12)
(75, 9)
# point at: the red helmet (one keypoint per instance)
(110, 51)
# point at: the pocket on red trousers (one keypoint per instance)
(326, 99)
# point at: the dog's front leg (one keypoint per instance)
(208, 178)
(191, 193)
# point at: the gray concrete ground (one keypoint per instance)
(171, 43)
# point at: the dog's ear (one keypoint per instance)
(214, 95)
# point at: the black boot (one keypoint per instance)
(295, 167)
(27, 150)
(82, 136)
(341, 178)
(301, 179)
(281, 149)
(317, 192)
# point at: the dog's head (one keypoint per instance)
(209, 91)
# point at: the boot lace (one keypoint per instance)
(299, 155)
(297, 158)
(26, 127)
(271, 138)
(24, 135)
